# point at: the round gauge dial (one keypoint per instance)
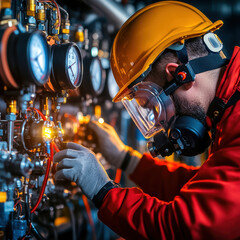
(96, 74)
(73, 66)
(67, 67)
(112, 85)
(94, 77)
(28, 57)
(37, 58)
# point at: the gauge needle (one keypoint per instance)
(36, 60)
(39, 65)
(71, 70)
(71, 65)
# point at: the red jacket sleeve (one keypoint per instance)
(150, 171)
(207, 206)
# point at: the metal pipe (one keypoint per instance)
(10, 135)
(114, 11)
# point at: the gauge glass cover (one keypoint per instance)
(38, 56)
(96, 74)
(73, 66)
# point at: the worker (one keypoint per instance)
(181, 91)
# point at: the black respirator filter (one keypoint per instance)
(187, 137)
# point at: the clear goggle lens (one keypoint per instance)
(149, 107)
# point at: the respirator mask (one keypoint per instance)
(153, 112)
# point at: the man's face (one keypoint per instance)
(189, 108)
(186, 103)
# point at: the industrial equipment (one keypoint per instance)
(53, 65)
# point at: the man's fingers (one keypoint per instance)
(106, 125)
(101, 129)
(65, 163)
(64, 174)
(95, 126)
(66, 153)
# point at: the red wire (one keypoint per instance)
(58, 11)
(55, 147)
(17, 202)
(40, 113)
(45, 179)
(52, 145)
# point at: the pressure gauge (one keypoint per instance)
(25, 57)
(67, 68)
(110, 89)
(94, 77)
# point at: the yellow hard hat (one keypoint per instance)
(151, 30)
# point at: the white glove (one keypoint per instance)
(112, 147)
(78, 164)
(109, 143)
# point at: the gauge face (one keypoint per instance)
(73, 66)
(67, 66)
(96, 74)
(38, 58)
(112, 85)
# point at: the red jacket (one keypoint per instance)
(182, 202)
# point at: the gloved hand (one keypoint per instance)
(109, 143)
(78, 164)
(112, 147)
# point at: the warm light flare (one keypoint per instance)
(47, 133)
(101, 120)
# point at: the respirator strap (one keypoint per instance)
(207, 63)
(218, 107)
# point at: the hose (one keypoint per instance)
(63, 12)
(45, 179)
(36, 233)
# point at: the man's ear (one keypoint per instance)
(170, 69)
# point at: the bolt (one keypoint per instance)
(175, 134)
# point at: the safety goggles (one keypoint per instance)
(149, 107)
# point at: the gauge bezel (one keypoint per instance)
(103, 76)
(5, 69)
(59, 73)
(47, 58)
(74, 86)
(87, 85)
(19, 52)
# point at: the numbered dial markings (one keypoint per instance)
(73, 66)
(38, 58)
